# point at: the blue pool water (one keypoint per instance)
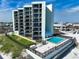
(56, 39)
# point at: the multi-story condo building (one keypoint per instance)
(34, 20)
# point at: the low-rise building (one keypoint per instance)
(6, 27)
(50, 50)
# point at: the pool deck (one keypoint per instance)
(45, 48)
(42, 48)
(49, 45)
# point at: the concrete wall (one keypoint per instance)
(43, 19)
(33, 55)
(13, 20)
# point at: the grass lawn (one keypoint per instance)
(13, 44)
(21, 41)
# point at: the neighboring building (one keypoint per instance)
(66, 26)
(59, 26)
(6, 27)
(34, 20)
(76, 26)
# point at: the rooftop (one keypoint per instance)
(45, 48)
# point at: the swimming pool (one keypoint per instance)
(56, 40)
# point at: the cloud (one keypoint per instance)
(5, 11)
(73, 9)
(5, 15)
(64, 16)
(6, 7)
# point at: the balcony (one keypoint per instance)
(37, 24)
(21, 20)
(15, 12)
(27, 32)
(27, 20)
(36, 29)
(26, 13)
(37, 11)
(27, 8)
(21, 31)
(20, 13)
(15, 15)
(16, 29)
(35, 6)
(16, 24)
(27, 24)
(16, 19)
(36, 21)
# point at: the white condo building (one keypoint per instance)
(34, 20)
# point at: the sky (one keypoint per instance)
(64, 10)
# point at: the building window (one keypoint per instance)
(21, 23)
(35, 29)
(26, 9)
(21, 17)
(26, 13)
(40, 5)
(20, 10)
(27, 27)
(15, 12)
(35, 15)
(15, 15)
(35, 6)
(16, 23)
(35, 33)
(27, 31)
(35, 20)
(35, 24)
(40, 29)
(39, 33)
(21, 20)
(16, 29)
(27, 24)
(21, 30)
(16, 20)
(39, 15)
(39, 24)
(27, 16)
(27, 20)
(35, 10)
(40, 19)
